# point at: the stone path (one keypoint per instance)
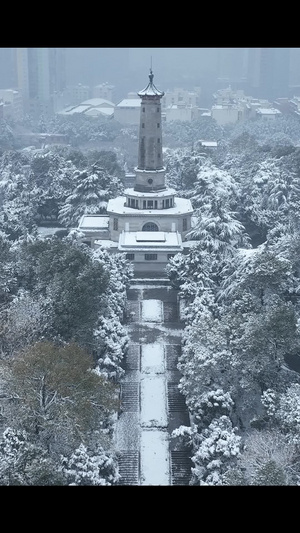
(152, 405)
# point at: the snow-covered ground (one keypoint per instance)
(154, 448)
(147, 430)
(152, 311)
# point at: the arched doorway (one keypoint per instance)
(150, 226)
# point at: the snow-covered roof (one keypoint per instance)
(150, 240)
(181, 206)
(105, 243)
(268, 111)
(209, 143)
(98, 102)
(156, 194)
(150, 236)
(96, 222)
(129, 102)
(96, 111)
(91, 107)
(45, 231)
(74, 109)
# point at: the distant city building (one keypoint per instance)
(181, 112)
(180, 97)
(128, 110)
(267, 113)
(105, 91)
(227, 113)
(295, 105)
(12, 104)
(8, 71)
(283, 104)
(40, 76)
(269, 72)
(75, 94)
(232, 67)
(233, 106)
(294, 75)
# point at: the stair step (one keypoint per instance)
(176, 400)
(132, 358)
(130, 396)
(128, 462)
(172, 352)
(181, 465)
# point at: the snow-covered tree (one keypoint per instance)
(111, 345)
(218, 230)
(93, 190)
(27, 320)
(65, 273)
(85, 468)
(216, 449)
(58, 397)
(283, 410)
(269, 458)
(24, 463)
(120, 272)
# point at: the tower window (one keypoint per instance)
(115, 223)
(157, 110)
(158, 141)
(143, 125)
(143, 110)
(184, 224)
(158, 124)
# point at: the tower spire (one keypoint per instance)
(150, 89)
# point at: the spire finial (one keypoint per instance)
(151, 73)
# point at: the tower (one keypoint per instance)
(150, 173)
(149, 223)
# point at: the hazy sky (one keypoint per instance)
(129, 67)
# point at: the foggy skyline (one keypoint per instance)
(260, 72)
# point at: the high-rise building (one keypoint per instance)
(268, 72)
(232, 67)
(294, 80)
(8, 73)
(41, 76)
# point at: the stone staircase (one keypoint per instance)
(130, 396)
(129, 463)
(176, 402)
(180, 467)
(129, 454)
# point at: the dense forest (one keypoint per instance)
(62, 304)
